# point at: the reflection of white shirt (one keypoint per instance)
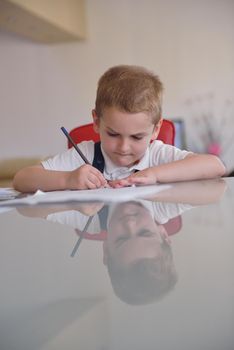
(163, 212)
(157, 153)
(160, 212)
(75, 219)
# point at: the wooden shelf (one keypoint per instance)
(45, 21)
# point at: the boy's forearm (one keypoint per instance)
(193, 192)
(31, 179)
(193, 167)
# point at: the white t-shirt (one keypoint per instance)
(157, 153)
(160, 212)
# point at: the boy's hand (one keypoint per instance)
(90, 208)
(85, 177)
(143, 177)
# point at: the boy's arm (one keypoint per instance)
(87, 209)
(193, 192)
(32, 178)
(192, 167)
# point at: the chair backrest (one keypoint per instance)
(86, 133)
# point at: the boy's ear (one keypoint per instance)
(95, 121)
(157, 129)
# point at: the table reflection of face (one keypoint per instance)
(137, 254)
(133, 234)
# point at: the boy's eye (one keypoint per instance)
(137, 137)
(112, 134)
(145, 233)
(121, 240)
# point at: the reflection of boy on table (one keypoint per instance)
(136, 245)
(137, 249)
(138, 254)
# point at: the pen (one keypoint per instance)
(75, 145)
(81, 236)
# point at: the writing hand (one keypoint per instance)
(85, 177)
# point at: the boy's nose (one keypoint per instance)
(130, 226)
(124, 145)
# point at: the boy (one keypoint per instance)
(128, 116)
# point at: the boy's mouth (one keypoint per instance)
(123, 154)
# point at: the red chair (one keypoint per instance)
(86, 133)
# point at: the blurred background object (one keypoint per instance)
(211, 126)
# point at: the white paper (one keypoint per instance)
(8, 193)
(101, 194)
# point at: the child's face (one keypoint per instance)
(133, 234)
(124, 136)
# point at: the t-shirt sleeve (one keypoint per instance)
(163, 212)
(70, 160)
(161, 153)
(76, 220)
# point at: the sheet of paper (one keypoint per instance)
(8, 193)
(5, 209)
(101, 194)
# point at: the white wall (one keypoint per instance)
(190, 44)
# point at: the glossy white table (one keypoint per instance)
(52, 300)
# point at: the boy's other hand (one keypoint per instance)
(85, 177)
(143, 177)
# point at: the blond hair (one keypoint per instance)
(130, 89)
(144, 281)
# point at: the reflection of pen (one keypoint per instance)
(75, 145)
(81, 236)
